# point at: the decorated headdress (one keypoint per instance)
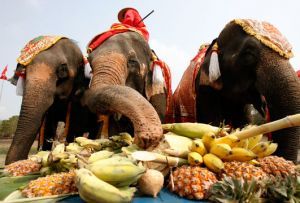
(267, 34)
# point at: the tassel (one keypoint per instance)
(157, 77)
(87, 68)
(214, 69)
(20, 86)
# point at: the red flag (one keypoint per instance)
(3, 74)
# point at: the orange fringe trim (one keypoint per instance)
(263, 40)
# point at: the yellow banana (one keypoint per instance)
(191, 130)
(213, 162)
(74, 148)
(195, 159)
(242, 143)
(92, 189)
(90, 144)
(270, 150)
(254, 140)
(260, 147)
(228, 139)
(221, 150)
(198, 146)
(60, 148)
(254, 162)
(208, 139)
(80, 139)
(117, 174)
(104, 154)
(240, 154)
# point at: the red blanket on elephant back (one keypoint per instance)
(184, 97)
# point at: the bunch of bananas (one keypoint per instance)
(211, 146)
(109, 179)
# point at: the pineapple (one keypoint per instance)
(56, 184)
(22, 167)
(277, 166)
(247, 171)
(283, 189)
(235, 191)
(192, 182)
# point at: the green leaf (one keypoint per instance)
(10, 184)
(16, 197)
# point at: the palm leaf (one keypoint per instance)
(10, 184)
(16, 197)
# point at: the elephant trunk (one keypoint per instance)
(279, 84)
(108, 93)
(37, 98)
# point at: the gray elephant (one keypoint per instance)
(247, 64)
(53, 69)
(123, 81)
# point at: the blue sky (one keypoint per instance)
(177, 28)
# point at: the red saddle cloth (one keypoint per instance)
(130, 21)
(184, 97)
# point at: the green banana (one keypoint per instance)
(104, 154)
(191, 130)
(119, 174)
(92, 189)
(213, 162)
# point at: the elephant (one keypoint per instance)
(123, 84)
(53, 88)
(252, 68)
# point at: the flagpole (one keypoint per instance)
(1, 90)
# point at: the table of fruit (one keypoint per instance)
(193, 162)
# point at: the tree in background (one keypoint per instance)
(8, 127)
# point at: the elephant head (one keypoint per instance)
(254, 69)
(121, 82)
(52, 66)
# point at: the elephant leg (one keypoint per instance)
(208, 106)
(159, 102)
(49, 131)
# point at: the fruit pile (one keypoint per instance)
(200, 161)
(99, 170)
(243, 166)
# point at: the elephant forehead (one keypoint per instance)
(40, 71)
(267, 34)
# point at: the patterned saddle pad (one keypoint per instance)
(267, 34)
(35, 46)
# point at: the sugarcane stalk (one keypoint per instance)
(158, 158)
(286, 122)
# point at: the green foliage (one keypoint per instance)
(231, 190)
(285, 189)
(10, 184)
(8, 127)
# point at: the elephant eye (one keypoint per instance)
(248, 58)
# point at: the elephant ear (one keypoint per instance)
(204, 72)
